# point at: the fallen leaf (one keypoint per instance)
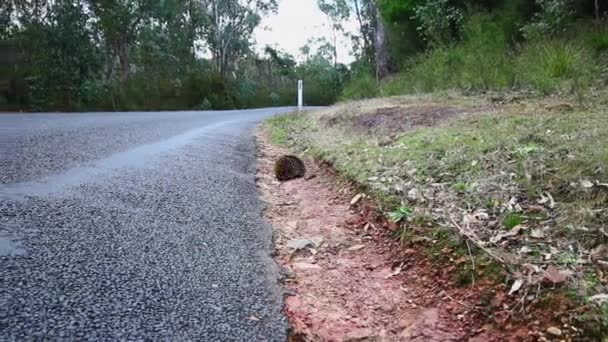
(516, 286)
(555, 331)
(482, 216)
(525, 250)
(599, 298)
(535, 209)
(253, 318)
(554, 275)
(551, 200)
(298, 244)
(356, 199)
(355, 248)
(602, 263)
(513, 232)
(395, 272)
(537, 234)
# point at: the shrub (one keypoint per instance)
(439, 21)
(553, 18)
(556, 65)
(362, 87)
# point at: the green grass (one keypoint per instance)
(281, 127)
(486, 58)
(485, 160)
(556, 65)
(402, 213)
(512, 220)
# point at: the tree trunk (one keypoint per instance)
(382, 57)
(361, 31)
(123, 57)
(597, 11)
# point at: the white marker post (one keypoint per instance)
(300, 91)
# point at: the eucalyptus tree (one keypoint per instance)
(229, 26)
(364, 13)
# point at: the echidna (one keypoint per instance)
(289, 167)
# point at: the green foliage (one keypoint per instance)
(511, 220)
(281, 126)
(397, 10)
(598, 40)
(402, 213)
(362, 87)
(480, 61)
(64, 58)
(556, 65)
(486, 58)
(141, 55)
(552, 19)
(439, 21)
(206, 105)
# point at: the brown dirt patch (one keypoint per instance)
(399, 119)
(350, 282)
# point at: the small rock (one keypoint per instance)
(306, 266)
(413, 194)
(537, 234)
(555, 331)
(356, 248)
(410, 251)
(298, 244)
(553, 275)
(525, 250)
(356, 199)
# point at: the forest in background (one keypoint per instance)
(78, 55)
(539, 46)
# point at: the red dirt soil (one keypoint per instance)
(354, 283)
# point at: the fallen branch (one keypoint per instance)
(470, 236)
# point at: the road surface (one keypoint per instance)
(134, 226)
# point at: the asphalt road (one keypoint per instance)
(134, 226)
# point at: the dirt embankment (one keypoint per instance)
(347, 279)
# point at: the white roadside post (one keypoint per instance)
(300, 91)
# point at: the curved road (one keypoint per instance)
(134, 226)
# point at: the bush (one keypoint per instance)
(362, 87)
(552, 19)
(481, 61)
(439, 21)
(487, 58)
(555, 66)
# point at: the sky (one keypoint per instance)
(295, 22)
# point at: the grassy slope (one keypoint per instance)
(526, 178)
